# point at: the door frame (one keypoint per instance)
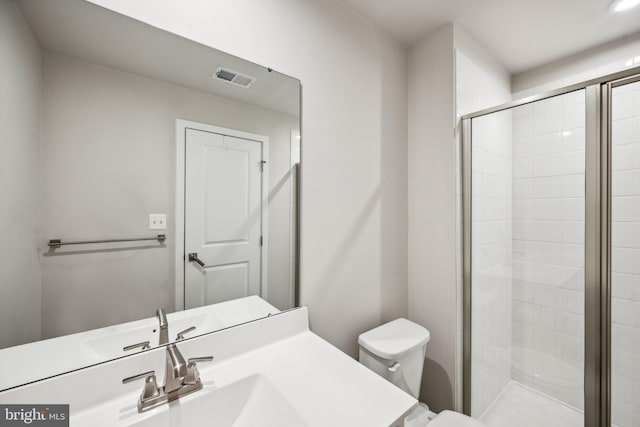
(179, 247)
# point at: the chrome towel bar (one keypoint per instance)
(56, 243)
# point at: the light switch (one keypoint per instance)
(157, 221)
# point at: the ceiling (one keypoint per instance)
(520, 34)
(82, 30)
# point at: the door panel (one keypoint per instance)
(227, 282)
(527, 264)
(223, 215)
(625, 255)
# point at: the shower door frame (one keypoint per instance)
(597, 261)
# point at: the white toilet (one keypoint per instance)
(396, 351)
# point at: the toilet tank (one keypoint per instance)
(396, 351)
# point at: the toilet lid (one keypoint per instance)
(394, 339)
(454, 419)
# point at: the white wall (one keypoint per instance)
(354, 196)
(432, 219)
(602, 60)
(449, 75)
(109, 144)
(20, 176)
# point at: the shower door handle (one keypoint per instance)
(193, 257)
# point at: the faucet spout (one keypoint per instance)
(176, 369)
(164, 327)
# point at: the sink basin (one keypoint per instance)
(249, 402)
(110, 342)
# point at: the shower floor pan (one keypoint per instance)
(521, 406)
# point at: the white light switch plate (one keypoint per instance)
(157, 221)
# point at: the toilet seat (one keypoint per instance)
(453, 419)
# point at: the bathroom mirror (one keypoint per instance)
(138, 170)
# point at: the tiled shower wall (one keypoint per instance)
(548, 246)
(491, 246)
(626, 255)
(477, 87)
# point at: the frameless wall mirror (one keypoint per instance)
(139, 171)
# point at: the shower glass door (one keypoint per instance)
(625, 255)
(527, 264)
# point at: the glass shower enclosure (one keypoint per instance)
(551, 243)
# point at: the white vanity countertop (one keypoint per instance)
(324, 386)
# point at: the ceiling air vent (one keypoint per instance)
(233, 77)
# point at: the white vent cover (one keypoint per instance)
(233, 77)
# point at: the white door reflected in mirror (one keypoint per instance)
(225, 219)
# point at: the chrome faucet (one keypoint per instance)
(181, 378)
(164, 327)
(176, 369)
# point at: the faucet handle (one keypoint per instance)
(150, 388)
(193, 375)
(180, 335)
(193, 360)
(144, 344)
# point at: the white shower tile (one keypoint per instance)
(622, 105)
(622, 132)
(625, 286)
(572, 347)
(547, 121)
(523, 209)
(546, 231)
(573, 232)
(623, 157)
(522, 291)
(622, 388)
(573, 98)
(572, 301)
(625, 312)
(571, 324)
(548, 143)
(573, 209)
(573, 185)
(547, 209)
(523, 126)
(573, 116)
(573, 139)
(623, 183)
(546, 296)
(636, 235)
(547, 253)
(622, 234)
(549, 104)
(523, 167)
(636, 102)
(523, 188)
(546, 340)
(625, 208)
(550, 187)
(625, 338)
(550, 165)
(573, 163)
(622, 260)
(573, 255)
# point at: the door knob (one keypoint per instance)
(193, 257)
